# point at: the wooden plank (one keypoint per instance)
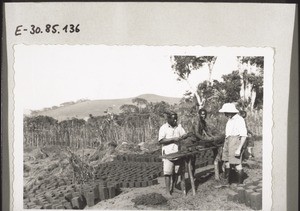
(178, 155)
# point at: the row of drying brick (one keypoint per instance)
(37, 195)
(249, 194)
(76, 196)
(69, 197)
(118, 171)
(137, 158)
(128, 172)
(152, 158)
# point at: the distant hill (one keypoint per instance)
(82, 110)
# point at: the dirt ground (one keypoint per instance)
(53, 162)
(207, 197)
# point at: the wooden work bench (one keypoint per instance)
(187, 158)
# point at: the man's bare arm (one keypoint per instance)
(166, 141)
(204, 137)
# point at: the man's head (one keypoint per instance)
(172, 118)
(229, 110)
(202, 113)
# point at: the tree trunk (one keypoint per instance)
(253, 98)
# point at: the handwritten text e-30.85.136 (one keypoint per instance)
(48, 28)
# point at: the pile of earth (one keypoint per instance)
(150, 199)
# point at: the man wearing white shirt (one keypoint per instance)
(236, 134)
(170, 134)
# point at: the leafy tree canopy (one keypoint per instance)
(183, 65)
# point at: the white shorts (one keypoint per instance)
(171, 167)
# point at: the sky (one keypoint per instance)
(49, 75)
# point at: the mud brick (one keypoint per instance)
(144, 183)
(68, 196)
(30, 204)
(58, 206)
(31, 195)
(248, 192)
(150, 182)
(75, 194)
(247, 184)
(25, 201)
(56, 201)
(255, 182)
(43, 201)
(137, 184)
(258, 190)
(60, 193)
(62, 199)
(67, 205)
(47, 206)
(96, 191)
(252, 187)
(111, 191)
(42, 186)
(155, 182)
(259, 185)
(48, 196)
(131, 184)
(77, 203)
(90, 198)
(36, 207)
(36, 201)
(102, 183)
(154, 175)
(232, 196)
(210, 162)
(117, 185)
(241, 194)
(68, 182)
(125, 184)
(103, 193)
(241, 185)
(256, 201)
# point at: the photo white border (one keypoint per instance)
(267, 53)
(217, 24)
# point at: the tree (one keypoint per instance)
(251, 71)
(159, 108)
(129, 108)
(232, 86)
(220, 92)
(183, 65)
(141, 103)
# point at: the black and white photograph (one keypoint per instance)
(149, 106)
(143, 127)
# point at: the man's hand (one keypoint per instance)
(185, 136)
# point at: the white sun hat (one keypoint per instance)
(228, 108)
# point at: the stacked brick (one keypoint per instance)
(204, 158)
(61, 193)
(249, 194)
(138, 158)
(130, 174)
(127, 171)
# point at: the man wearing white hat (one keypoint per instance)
(236, 134)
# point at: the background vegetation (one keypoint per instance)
(140, 121)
